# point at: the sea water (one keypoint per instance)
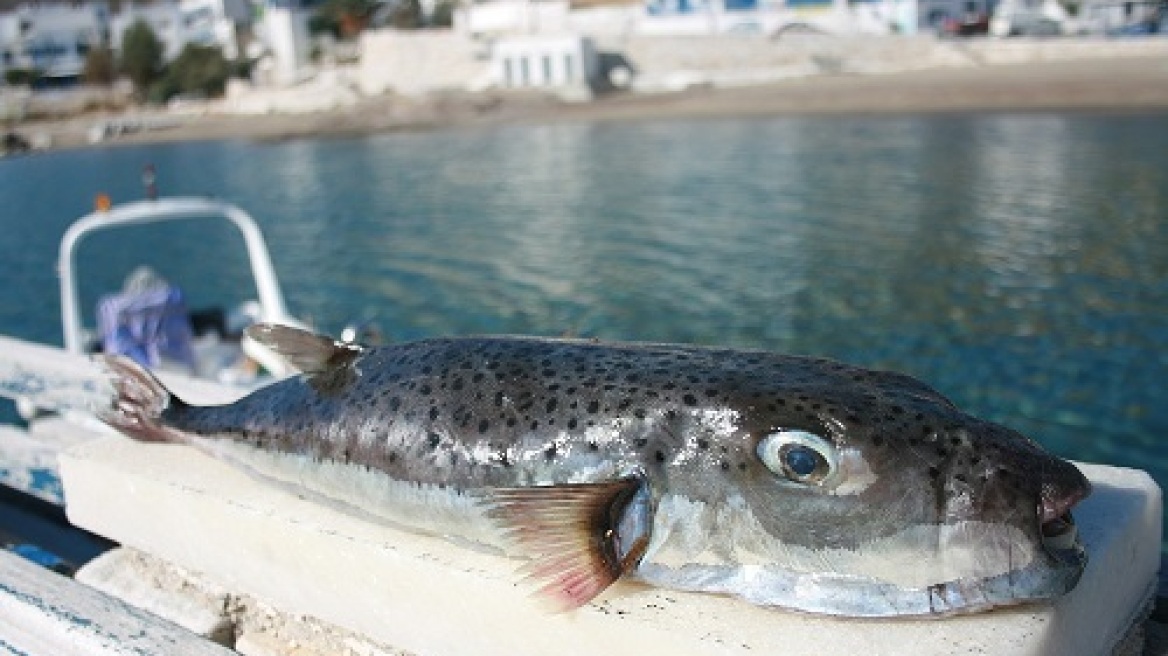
(1017, 262)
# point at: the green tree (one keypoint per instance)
(100, 67)
(141, 57)
(198, 70)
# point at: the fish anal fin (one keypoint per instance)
(573, 535)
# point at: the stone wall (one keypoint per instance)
(418, 62)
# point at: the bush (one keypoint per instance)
(22, 76)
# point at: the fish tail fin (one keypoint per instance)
(140, 403)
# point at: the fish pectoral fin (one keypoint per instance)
(307, 351)
(580, 537)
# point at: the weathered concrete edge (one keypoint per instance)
(42, 613)
(410, 591)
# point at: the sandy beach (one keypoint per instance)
(1119, 84)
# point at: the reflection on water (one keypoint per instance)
(1019, 263)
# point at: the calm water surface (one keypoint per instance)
(1019, 263)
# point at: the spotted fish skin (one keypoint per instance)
(911, 480)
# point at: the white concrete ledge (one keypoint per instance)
(45, 614)
(432, 598)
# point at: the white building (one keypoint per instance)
(55, 38)
(52, 38)
(284, 30)
(216, 22)
(563, 62)
(686, 17)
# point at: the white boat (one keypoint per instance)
(55, 390)
(150, 305)
(268, 307)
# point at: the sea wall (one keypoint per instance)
(669, 63)
(413, 63)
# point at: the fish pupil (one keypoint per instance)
(801, 460)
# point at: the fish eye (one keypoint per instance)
(798, 456)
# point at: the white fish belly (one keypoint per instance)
(365, 492)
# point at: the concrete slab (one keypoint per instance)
(430, 597)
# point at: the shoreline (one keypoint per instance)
(1134, 85)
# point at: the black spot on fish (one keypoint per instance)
(572, 423)
(433, 439)
(484, 425)
(425, 390)
(593, 407)
(877, 440)
(659, 456)
(690, 399)
(725, 466)
(593, 446)
(394, 403)
(551, 405)
(703, 443)
(433, 413)
(641, 442)
(550, 453)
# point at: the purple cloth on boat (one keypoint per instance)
(147, 325)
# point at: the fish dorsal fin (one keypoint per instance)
(580, 537)
(307, 351)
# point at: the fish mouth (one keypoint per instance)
(1060, 533)
(1056, 525)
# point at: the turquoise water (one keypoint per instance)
(1019, 263)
